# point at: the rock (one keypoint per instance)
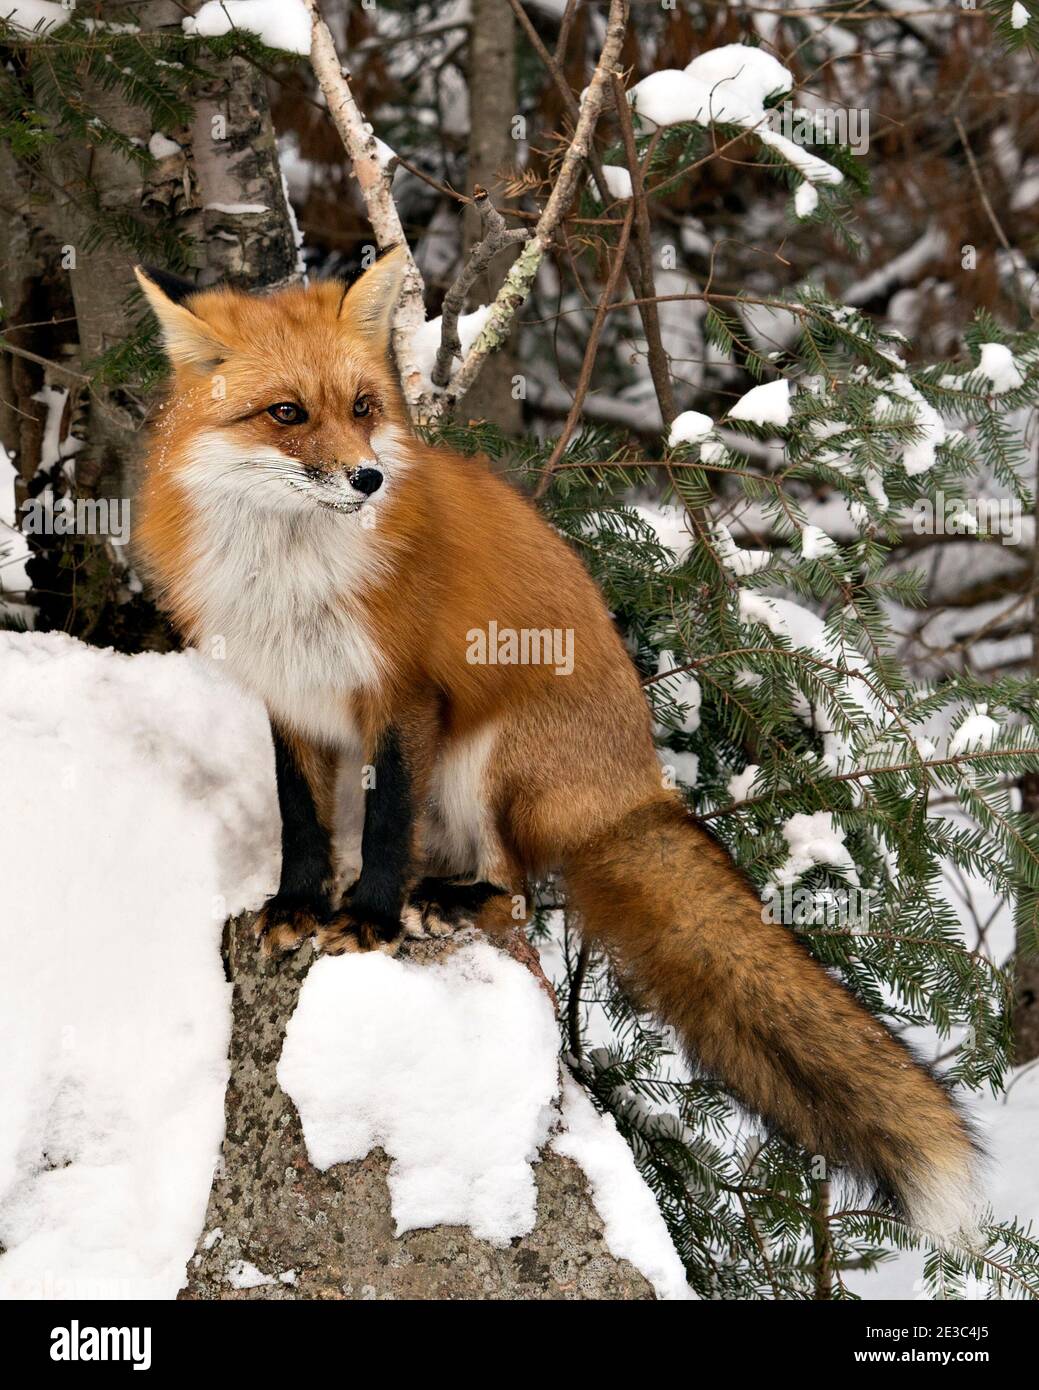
(277, 1228)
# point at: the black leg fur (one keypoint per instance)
(302, 902)
(306, 846)
(371, 914)
(455, 903)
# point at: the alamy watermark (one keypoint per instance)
(970, 516)
(80, 516)
(524, 646)
(825, 125)
(844, 908)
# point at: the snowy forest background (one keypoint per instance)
(771, 365)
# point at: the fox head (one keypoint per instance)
(287, 400)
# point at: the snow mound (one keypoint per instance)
(283, 24)
(730, 85)
(138, 806)
(635, 1229)
(689, 428)
(452, 1068)
(765, 405)
(997, 363)
(751, 72)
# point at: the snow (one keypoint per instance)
(670, 524)
(243, 1275)
(814, 169)
(383, 153)
(237, 209)
(688, 428)
(14, 549)
(978, 731)
(765, 405)
(425, 341)
(740, 785)
(671, 97)
(738, 67)
(297, 233)
(634, 1228)
(35, 16)
(54, 398)
(807, 630)
(684, 690)
(726, 84)
(283, 24)
(1018, 15)
(618, 180)
(814, 839)
(162, 147)
(138, 807)
(452, 1068)
(741, 562)
(919, 455)
(806, 199)
(900, 269)
(815, 543)
(681, 766)
(730, 85)
(997, 363)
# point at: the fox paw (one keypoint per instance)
(282, 927)
(348, 932)
(440, 906)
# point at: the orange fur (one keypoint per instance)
(520, 770)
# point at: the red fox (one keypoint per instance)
(376, 594)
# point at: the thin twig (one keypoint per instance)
(636, 265)
(659, 366)
(5, 346)
(587, 366)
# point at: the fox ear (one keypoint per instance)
(367, 307)
(189, 340)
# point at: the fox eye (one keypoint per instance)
(287, 413)
(362, 406)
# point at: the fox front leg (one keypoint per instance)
(306, 796)
(370, 918)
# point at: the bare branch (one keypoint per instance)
(588, 365)
(362, 147)
(659, 366)
(496, 237)
(521, 276)
(639, 265)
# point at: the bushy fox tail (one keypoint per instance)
(757, 1012)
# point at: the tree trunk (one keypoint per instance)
(492, 107)
(334, 1229)
(1026, 958)
(71, 295)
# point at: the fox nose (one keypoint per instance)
(367, 480)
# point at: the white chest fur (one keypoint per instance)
(281, 599)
